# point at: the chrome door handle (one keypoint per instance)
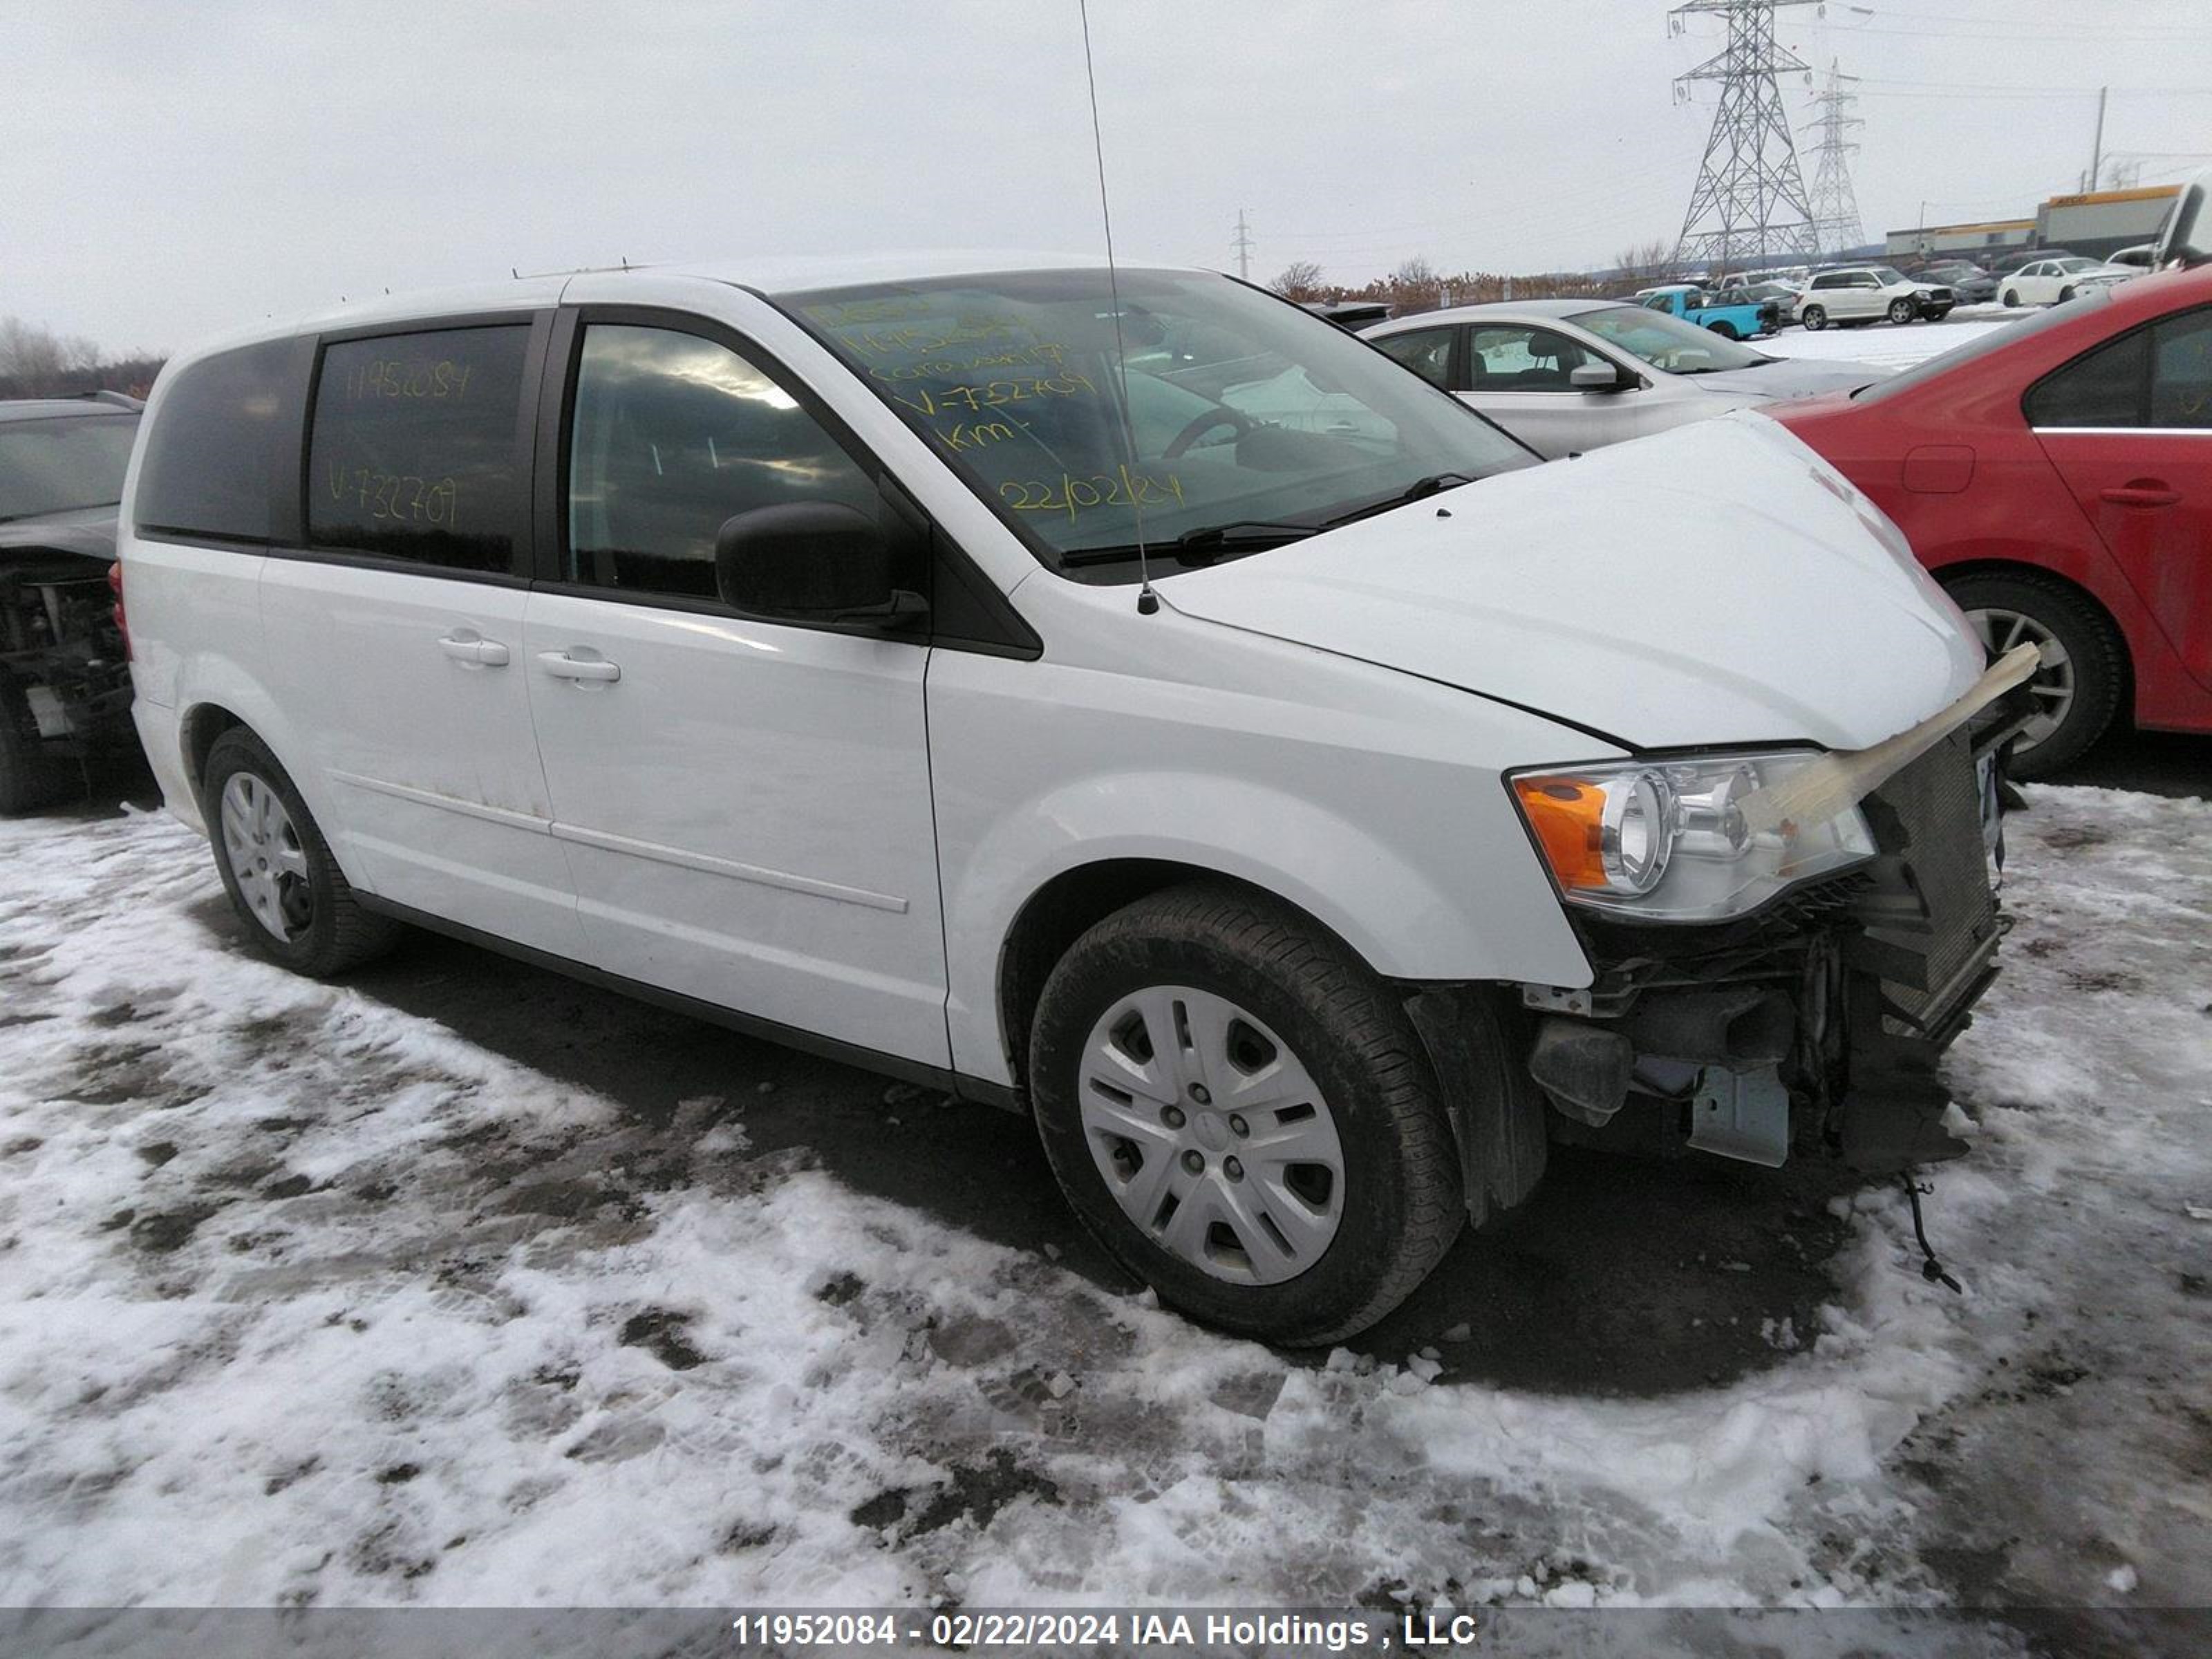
(562, 666)
(474, 648)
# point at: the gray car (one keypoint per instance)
(1565, 375)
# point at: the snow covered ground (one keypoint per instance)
(305, 1300)
(1886, 345)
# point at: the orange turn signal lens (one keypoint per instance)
(1568, 815)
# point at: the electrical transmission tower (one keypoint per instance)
(1241, 245)
(1835, 204)
(1749, 201)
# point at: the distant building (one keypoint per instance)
(2104, 221)
(1986, 237)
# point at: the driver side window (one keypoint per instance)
(672, 434)
(1518, 359)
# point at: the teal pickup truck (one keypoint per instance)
(1745, 319)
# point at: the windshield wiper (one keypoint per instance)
(1420, 489)
(1201, 546)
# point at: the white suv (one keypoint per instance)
(1867, 293)
(780, 649)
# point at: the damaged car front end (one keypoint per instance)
(1793, 991)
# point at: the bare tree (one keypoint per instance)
(1646, 261)
(1415, 286)
(1300, 280)
(36, 362)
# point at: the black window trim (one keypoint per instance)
(290, 515)
(2151, 370)
(556, 402)
(1456, 333)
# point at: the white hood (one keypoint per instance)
(1718, 584)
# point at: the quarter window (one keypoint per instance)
(1426, 352)
(416, 451)
(209, 451)
(673, 434)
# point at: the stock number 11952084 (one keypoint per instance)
(1072, 494)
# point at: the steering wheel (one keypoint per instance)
(1200, 425)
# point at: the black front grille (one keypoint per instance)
(1929, 817)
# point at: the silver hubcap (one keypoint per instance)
(266, 856)
(2053, 684)
(1211, 1136)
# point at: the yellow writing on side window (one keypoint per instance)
(396, 496)
(441, 379)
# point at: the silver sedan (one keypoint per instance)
(1563, 375)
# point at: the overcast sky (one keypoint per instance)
(168, 170)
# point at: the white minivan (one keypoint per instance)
(1137, 703)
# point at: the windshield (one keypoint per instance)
(53, 466)
(1251, 417)
(1666, 342)
(2079, 264)
(1995, 339)
(1888, 274)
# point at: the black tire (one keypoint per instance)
(336, 933)
(2064, 294)
(1402, 1204)
(29, 779)
(1903, 310)
(1726, 331)
(2093, 648)
(2012, 298)
(1815, 318)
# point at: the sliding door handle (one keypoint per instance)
(468, 648)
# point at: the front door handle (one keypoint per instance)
(465, 646)
(2143, 492)
(562, 666)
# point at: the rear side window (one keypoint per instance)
(416, 451)
(2103, 389)
(1426, 352)
(2159, 376)
(209, 457)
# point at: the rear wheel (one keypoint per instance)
(1813, 316)
(298, 908)
(1902, 311)
(1726, 331)
(2077, 689)
(1240, 1110)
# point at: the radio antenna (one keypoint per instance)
(1147, 601)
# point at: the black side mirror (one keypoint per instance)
(812, 562)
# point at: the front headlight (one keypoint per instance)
(1666, 840)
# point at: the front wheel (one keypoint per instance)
(1814, 318)
(2064, 294)
(1240, 1112)
(2012, 298)
(2077, 689)
(1903, 310)
(298, 909)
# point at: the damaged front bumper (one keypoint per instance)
(1815, 1025)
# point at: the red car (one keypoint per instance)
(2057, 476)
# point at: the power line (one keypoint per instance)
(1749, 202)
(1835, 204)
